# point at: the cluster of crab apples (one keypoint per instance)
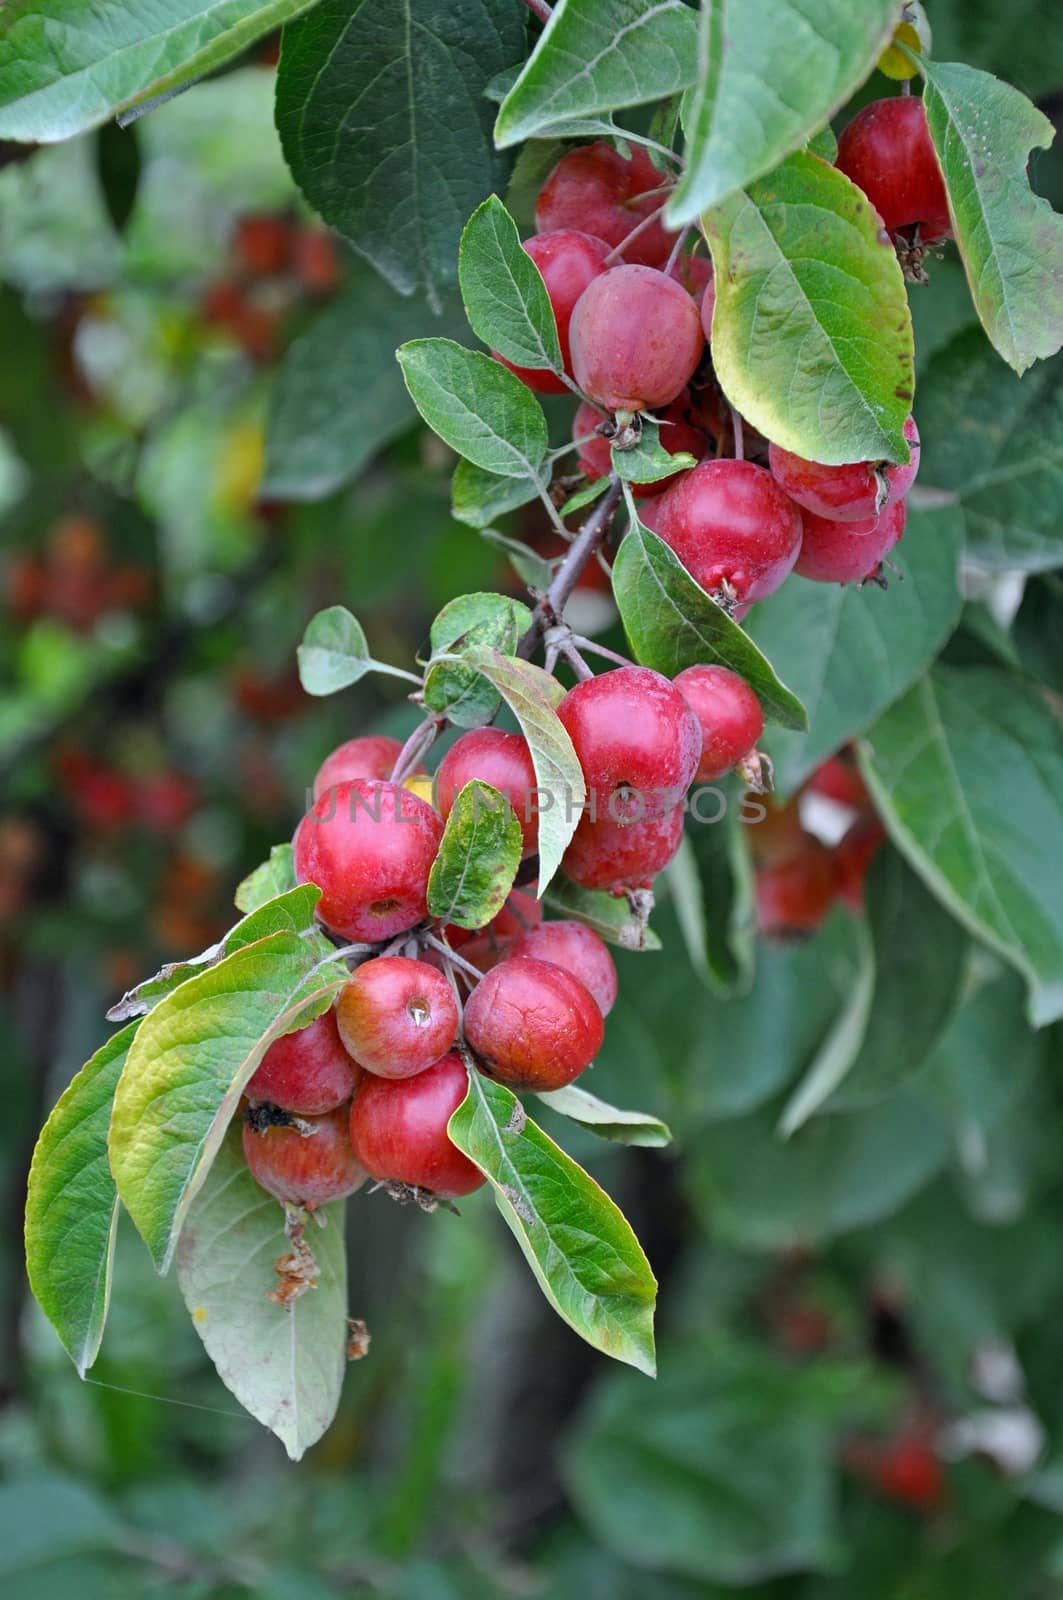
(369, 1086)
(634, 317)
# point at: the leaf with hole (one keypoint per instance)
(284, 1363)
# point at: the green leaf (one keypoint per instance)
(811, 335)
(68, 65)
(274, 877)
(583, 1253)
(710, 883)
(1010, 240)
(625, 1127)
(835, 1174)
(476, 406)
(608, 914)
(530, 567)
(478, 858)
(338, 395)
(824, 144)
(478, 497)
(672, 624)
(469, 623)
(386, 127)
(585, 496)
(285, 1364)
(839, 1049)
(996, 444)
(334, 653)
(729, 1056)
(919, 959)
(188, 1066)
(649, 462)
(72, 1206)
(291, 910)
(967, 774)
(848, 652)
(598, 55)
(912, 968)
(771, 72)
(503, 290)
(531, 694)
(726, 1474)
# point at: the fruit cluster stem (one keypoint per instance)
(583, 547)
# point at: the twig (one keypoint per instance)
(576, 661)
(600, 650)
(617, 251)
(418, 744)
(680, 240)
(579, 552)
(452, 955)
(739, 441)
(540, 9)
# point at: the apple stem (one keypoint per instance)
(540, 9)
(739, 438)
(583, 547)
(420, 741)
(617, 252)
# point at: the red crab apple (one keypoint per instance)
(636, 339)
(532, 1024)
(846, 494)
(848, 552)
(399, 1130)
(579, 950)
(794, 895)
(621, 856)
(729, 713)
(372, 756)
(601, 192)
(568, 261)
(500, 759)
(369, 847)
(308, 1072)
(637, 741)
(397, 1016)
(731, 526)
(887, 152)
(306, 1162)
